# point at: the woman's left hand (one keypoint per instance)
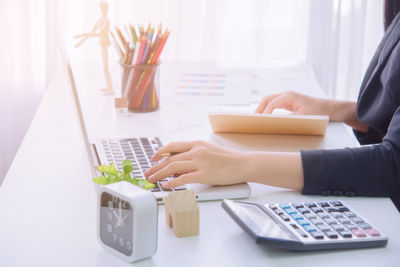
(197, 162)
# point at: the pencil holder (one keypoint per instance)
(141, 86)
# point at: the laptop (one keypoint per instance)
(139, 150)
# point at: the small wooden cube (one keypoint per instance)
(182, 213)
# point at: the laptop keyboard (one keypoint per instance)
(139, 151)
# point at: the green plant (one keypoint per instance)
(112, 175)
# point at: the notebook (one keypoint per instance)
(268, 123)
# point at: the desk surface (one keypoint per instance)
(48, 202)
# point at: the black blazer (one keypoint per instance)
(374, 168)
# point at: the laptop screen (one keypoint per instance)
(70, 77)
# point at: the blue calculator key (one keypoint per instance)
(296, 216)
(309, 228)
(284, 206)
(303, 222)
(290, 211)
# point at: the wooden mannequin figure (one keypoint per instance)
(102, 30)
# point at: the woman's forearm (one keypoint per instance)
(275, 169)
(345, 111)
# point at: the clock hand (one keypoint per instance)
(116, 215)
(121, 221)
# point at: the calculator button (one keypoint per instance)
(330, 209)
(336, 203)
(298, 230)
(337, 227)
(296, 216)
(284, 217)
(331, 234)
(310, 216)
(290, 211)
(336, 214)
(330, 221)
(357, 220)
(310, 204)
(279, 212)
(317, 235)
(297, 205)
(343, 209)
(364, 226)
(349, 214)
(324, 215)
(323, 204)
(303, 210)
(317, 210)
(358, 233)
(344, 220)
(324, 228)
(303, 222)
(284, 206)
(351, 226)
(273, 207)
(372, 232)
(316, 221)
(345, 234)
(309, 228)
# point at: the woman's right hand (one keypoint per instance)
(295, 102)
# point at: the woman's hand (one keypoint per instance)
(197, 162)
(337, 110)
(295, 102)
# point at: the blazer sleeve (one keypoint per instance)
(371, 170)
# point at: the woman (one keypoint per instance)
(369, 170)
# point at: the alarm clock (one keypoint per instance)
(127, 221)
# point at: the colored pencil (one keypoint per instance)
(140, 53)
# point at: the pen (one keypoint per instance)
(168, 154)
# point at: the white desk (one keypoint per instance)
(48, 202)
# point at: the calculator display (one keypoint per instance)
(259, 222)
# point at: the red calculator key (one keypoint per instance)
(372, 232)
(358, 233)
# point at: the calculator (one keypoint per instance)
(302, 226)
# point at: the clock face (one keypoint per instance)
(116, 223)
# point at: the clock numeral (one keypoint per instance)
(109, 215)
(128, 245)
(109, 228)
(114, 237)
(124, 204)
(121, 242)
(110, 204)
(114, 199)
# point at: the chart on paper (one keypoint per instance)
(208, 85)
